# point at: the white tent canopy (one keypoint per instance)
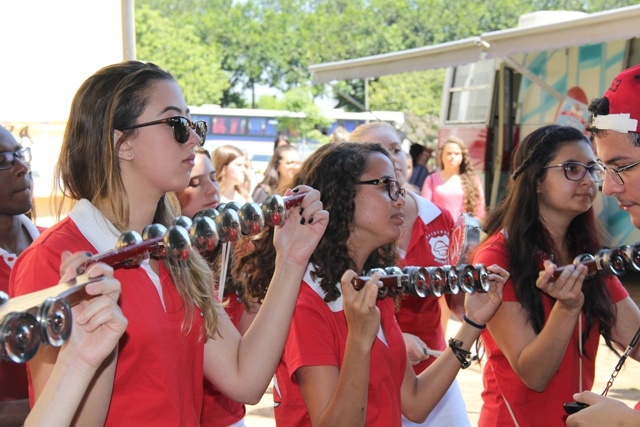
(617, 24)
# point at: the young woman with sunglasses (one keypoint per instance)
(345, 361)
(424, 242)
(542, 342)
(122, 171)
(202, 193)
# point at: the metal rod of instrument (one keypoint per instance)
(615, 261)
(434, 281)
(208, 228)
(27, 321)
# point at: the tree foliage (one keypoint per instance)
(222, 49)
(309, 123)
(178, 49)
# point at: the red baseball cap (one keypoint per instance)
(624, 105)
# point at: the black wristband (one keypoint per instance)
(461, 354)
(472, 323)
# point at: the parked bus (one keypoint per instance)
(255, 130)
(501, 85)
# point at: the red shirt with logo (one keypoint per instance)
(428, 247)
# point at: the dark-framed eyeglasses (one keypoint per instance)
(391, 185)
(181, 128)
(614, 173)
(8, 158)
(575, 171)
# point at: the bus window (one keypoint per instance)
(256, 126)
(470, 93)
(234, 125)
(219, 126)
(272, 127)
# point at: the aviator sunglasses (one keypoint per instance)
(181, 128)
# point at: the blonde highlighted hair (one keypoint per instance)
(88, 168)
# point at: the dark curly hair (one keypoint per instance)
(528, 238)
(334, 170)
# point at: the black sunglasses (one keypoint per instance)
(391, 185)
(181, 128)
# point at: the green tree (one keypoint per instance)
(307, 122)
(273, 42)
(398, 92)
(175, 47)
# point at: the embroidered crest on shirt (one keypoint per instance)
(439, 243)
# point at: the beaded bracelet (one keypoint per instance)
(472, 323)
(461, 354)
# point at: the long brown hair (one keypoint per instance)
(271, 183)
(468, 177)
(528, 238)
(88, 167)
(221, 157)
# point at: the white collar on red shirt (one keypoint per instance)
(102, 234)
(334, 306)
(427, 210)
(10, 258)
(94, 226)
(29, 226)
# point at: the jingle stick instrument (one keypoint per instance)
(26, 321)
(615, 261)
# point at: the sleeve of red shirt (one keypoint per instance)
(306, 348)
(36, 268)
(493, 251)
(617, 291)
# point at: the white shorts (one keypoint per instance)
(450, 411)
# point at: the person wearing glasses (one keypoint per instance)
(345, 362)
(424, 242)
(17, 232)
(128, 146)
(615, 128)
(543, 340)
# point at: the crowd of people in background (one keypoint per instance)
(191, 341)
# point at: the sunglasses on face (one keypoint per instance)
(182, 128)
(8, 158)
(575, 171)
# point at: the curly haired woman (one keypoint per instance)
(455, 185)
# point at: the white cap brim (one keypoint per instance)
(618, 122)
